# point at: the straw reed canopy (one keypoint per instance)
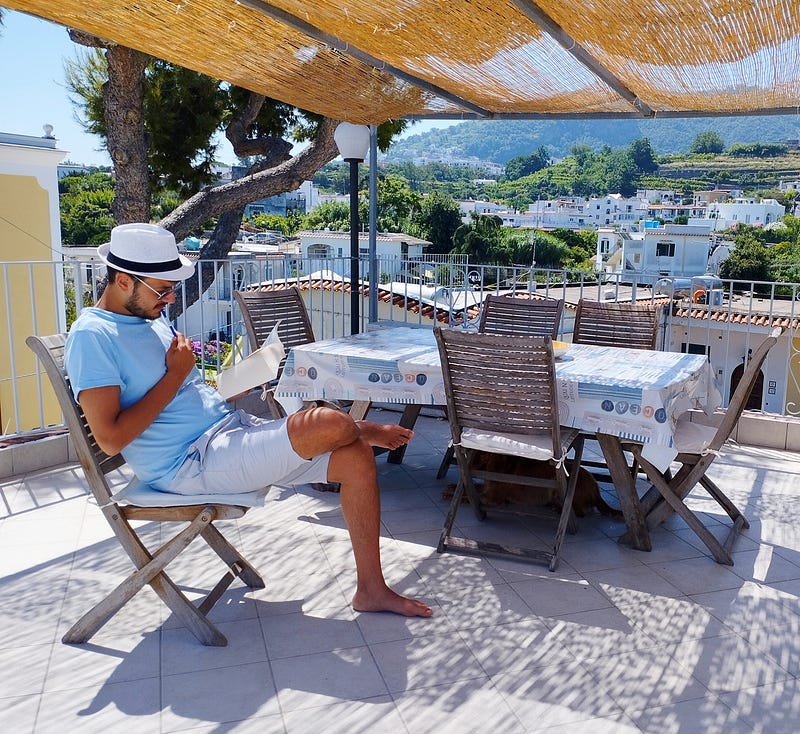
(367, 61)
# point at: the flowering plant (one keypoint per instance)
(210, 356)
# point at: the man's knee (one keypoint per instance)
(319, 430)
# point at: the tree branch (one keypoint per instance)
(190, 216)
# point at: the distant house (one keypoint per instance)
(331, 250)
(742, 210)
(673, 250)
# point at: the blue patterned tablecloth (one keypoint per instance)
(631, 393)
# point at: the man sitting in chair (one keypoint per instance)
(136, 381)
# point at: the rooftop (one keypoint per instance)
(615, 640)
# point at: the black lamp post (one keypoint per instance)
(353, 141)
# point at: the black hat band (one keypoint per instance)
(121, 262)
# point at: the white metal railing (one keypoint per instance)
(42, 297)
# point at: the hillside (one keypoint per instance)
(501, 140)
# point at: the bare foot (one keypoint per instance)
(390, 601)
(385, 436)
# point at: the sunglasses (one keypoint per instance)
(174, 291)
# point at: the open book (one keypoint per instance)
(258, 368)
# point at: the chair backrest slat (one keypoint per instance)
(498, 383)
(521, 317)
(261, 310)
(629, 325)
(94, 461)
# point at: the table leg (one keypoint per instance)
(407, 420)
(625, 485)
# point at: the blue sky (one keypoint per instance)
(33, 91)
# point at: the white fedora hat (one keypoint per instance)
(147, 250)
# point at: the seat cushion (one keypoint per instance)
(528, 447)
(139, 494)
(692, 438)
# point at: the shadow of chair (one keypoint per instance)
(513, 317)
(698, 445)
(501, 399)
(137, 501)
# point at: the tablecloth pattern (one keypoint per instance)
(634, 394)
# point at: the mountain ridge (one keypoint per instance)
(498, 141)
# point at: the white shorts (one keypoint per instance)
(243, 453)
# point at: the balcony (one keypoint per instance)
(616, 640)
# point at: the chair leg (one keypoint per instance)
(235, 561)
(150, 570)
(567, 517)
(455, 503)
(447, 459)
(732, 510)
(673, 497)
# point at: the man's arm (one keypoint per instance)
(113, 427)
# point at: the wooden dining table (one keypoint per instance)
(621, 395)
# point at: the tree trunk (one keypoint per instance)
(123, 98)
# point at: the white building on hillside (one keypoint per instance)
(742, 210)
(615, 209)
(657, 252)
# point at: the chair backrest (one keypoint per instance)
(741, 394)
(521, 317)
(501, 384)
(261, 310)
(94, 461)
(630, 325)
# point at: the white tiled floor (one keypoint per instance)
(614, 641)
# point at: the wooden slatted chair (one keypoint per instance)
(513, 317)
(502, 399)
(698, 446)
(261, 310)
(521, 317)
(139, 502)
(629, 325)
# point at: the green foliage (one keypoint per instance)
(749, 259)
(437, 220)
(397, 204)
(548, 250)
(332, 215)
(525, 165)
(287, 225)
(707, 141)
(481, 239)
(643, 155)
(85, 202)
(183, 110)
(757, 150)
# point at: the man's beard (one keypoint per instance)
(135, 308)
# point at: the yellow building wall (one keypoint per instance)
(28, 301)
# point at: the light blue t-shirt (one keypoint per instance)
(105, 348)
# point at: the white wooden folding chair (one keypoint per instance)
(698, 446)
(140, 502)
(502, 399)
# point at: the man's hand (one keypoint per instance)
(180, 356)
